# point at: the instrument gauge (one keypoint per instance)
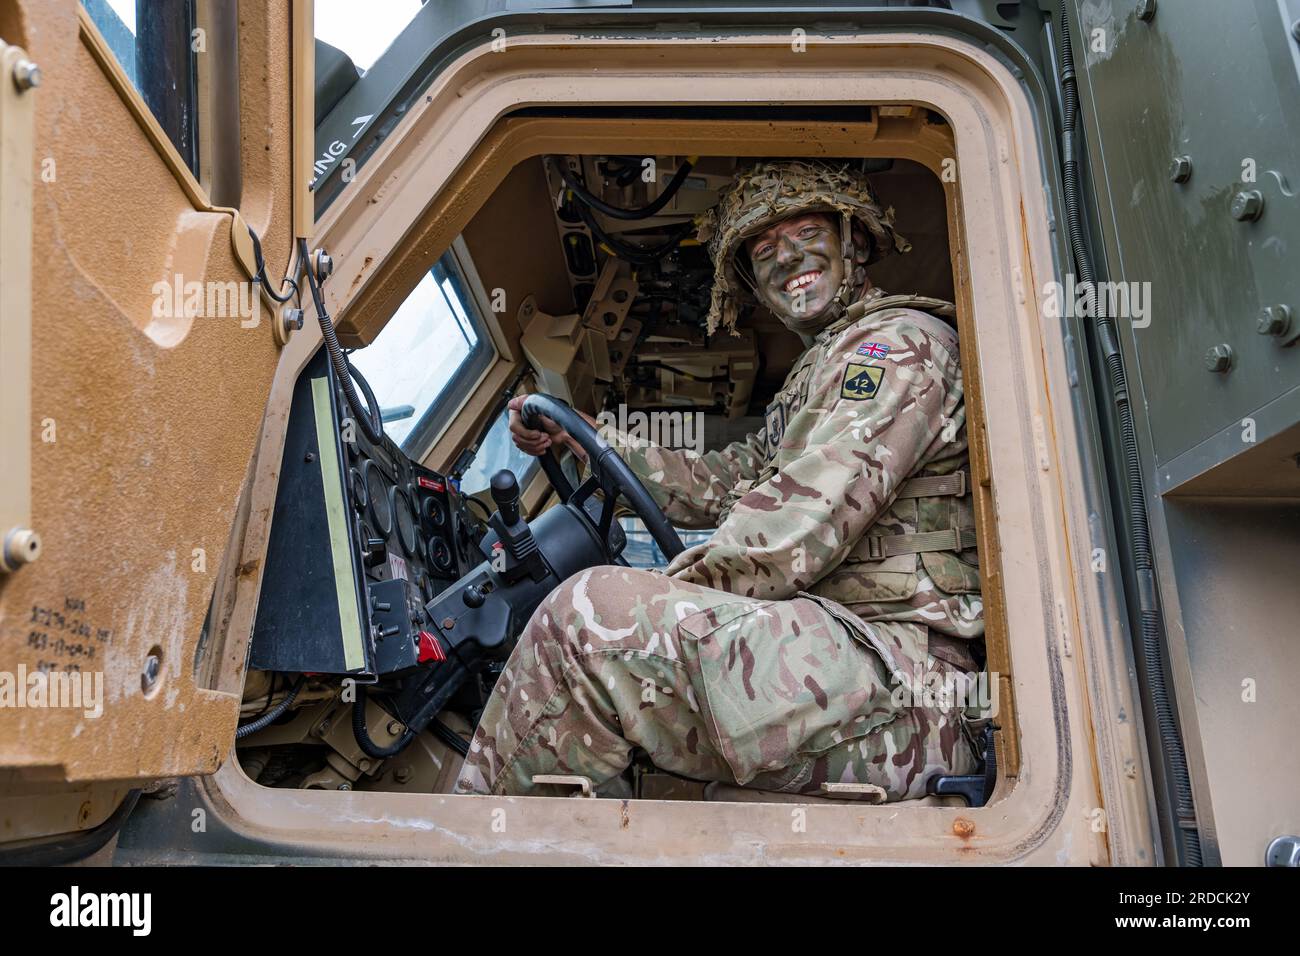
(434, 511)
(405, 521)
(377, 495)
(440, 554)
(358, 485)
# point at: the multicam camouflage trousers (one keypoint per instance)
(776, 695)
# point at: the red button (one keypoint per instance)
(430, 649)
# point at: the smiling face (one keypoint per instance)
(798, 268)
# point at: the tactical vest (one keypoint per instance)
(927, 530)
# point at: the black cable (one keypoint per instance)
(645, 212)
(270, 716)
(624, 174)
(269, 695)
(486, 510)
(368, 418)
(364, 741)
(637, 255)
(449, 737)
(367, 392)
(260, 275)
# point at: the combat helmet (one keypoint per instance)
(768, 192)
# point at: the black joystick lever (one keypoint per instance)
(505, 492)
(521, 553)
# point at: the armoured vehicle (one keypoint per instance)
(269, 274)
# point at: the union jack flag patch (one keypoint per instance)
(873, 350)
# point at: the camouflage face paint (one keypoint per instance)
(798, 269)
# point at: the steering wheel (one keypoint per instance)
(609, 473)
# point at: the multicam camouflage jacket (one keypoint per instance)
(856, 490)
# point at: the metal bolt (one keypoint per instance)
(1146, 10)
(1295, 30)
(21, 546)
(403, 774)
(394, 728)
(293, 320)
(345, 786)
(152, 668)
(1180, 169)
(1274, 320)
(1219, 358)
(1247, 205)
(26, 75)
(309, 457)
(324, 264)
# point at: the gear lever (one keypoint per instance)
(505, 492)
(523, 557)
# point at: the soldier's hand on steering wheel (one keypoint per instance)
(533, 442)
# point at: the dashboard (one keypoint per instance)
(378, 573)
(362, 539)
(414, 537)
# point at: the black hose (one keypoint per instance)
(625, 174)
(614, 212)
(468, 499)
(367, 745)
(637, 255)
(449, 737)
(274, 713)
(366, 391)
(1150, 617)
(368, 418)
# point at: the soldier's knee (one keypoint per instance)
(595, 590)
(562, 614)
(596, 601)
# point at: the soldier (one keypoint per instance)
(842, 569)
